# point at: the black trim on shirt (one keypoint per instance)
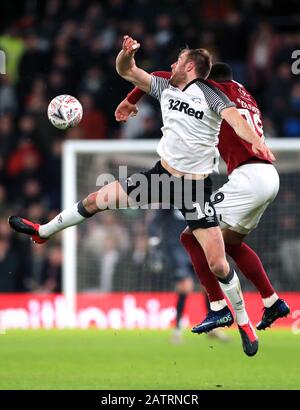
(190, 83)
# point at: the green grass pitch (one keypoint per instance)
(132, 360)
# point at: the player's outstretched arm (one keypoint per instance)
(244, 131)
(127, 108)
(127, 68)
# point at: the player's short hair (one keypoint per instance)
(221, 72)
(202, 59)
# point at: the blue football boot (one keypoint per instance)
(277, 310)
(214, 319)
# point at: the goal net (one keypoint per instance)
(139, 250)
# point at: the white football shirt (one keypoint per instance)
(191, 124)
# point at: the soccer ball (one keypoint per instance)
(65, 111)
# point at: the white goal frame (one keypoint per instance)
(70, 151)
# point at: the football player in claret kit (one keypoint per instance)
(192, 114)
(240, 203)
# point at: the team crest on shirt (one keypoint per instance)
(244, 94)
(197, 100)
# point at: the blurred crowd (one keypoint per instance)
(69, 47)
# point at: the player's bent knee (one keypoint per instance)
(219, 267)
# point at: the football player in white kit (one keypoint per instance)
(192, 113)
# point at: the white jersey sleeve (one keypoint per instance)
(215, 98)
(157, 86)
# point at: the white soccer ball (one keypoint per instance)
(65, 111)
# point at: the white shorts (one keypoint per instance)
(241, 202)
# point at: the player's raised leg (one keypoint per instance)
(111, 196)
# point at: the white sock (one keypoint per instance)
(268, 302)
(218, 304)
(68, 217)
(234, 293)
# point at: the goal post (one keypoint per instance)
(83, 160)
(69, 237)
